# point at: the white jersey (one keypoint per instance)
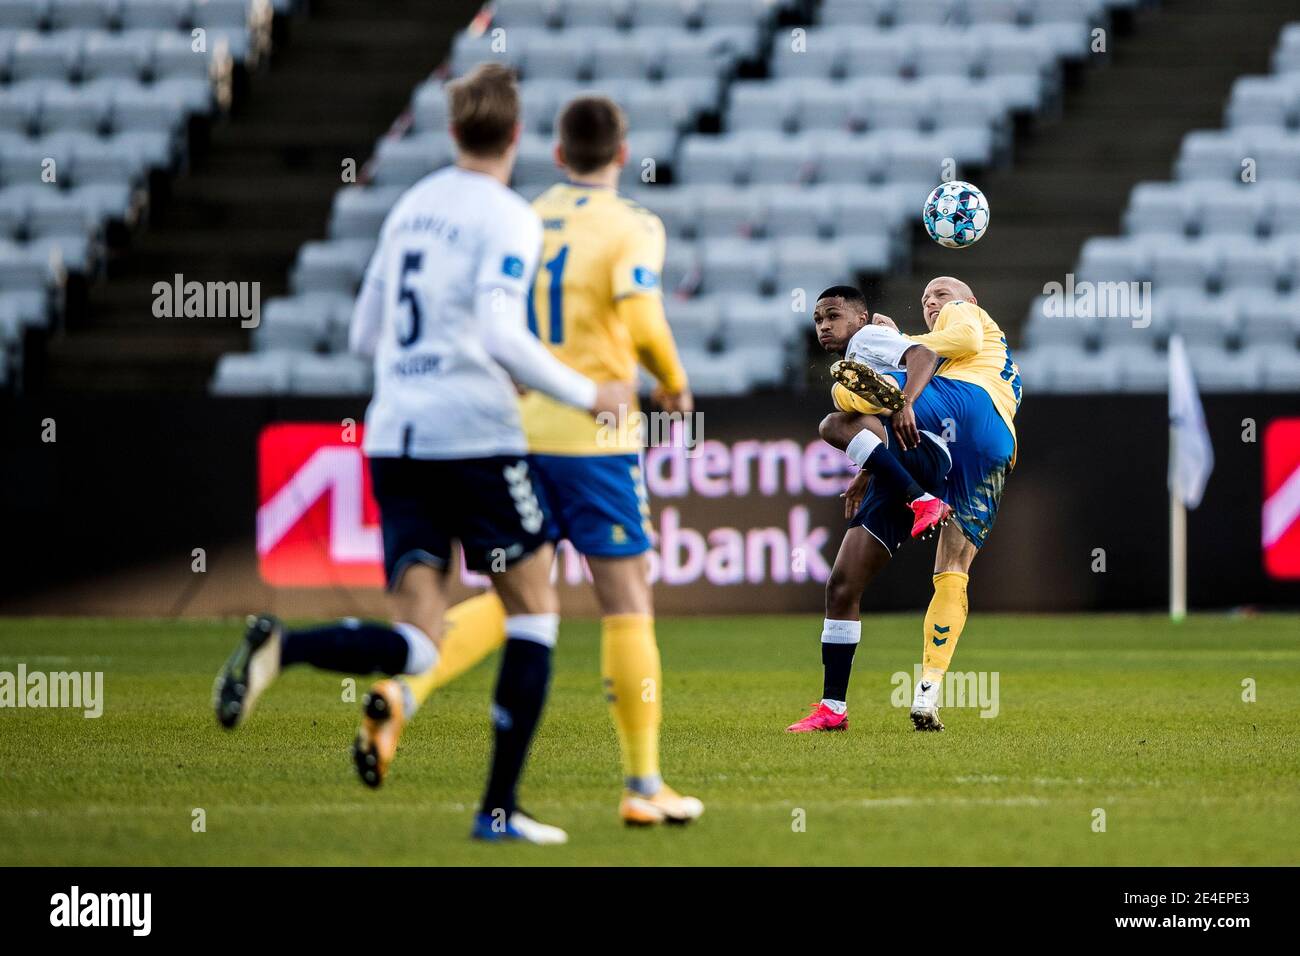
(883, 349)
(879, 347)
(452, 238)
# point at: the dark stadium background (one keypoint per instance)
(109, 497)
(147, 465)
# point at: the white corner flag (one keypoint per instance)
(1191, 459)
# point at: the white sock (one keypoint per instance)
(841, 632)
(539, 628)
(644, 786)
(925, 497)
(420, 652)
(861, 447)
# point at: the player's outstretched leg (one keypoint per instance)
(931, 515)
(860, 558)
(863, 380)
(251, 668)
(472, 630)
(348, 646)
(872, 449)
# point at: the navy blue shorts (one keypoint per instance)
(982, 449)
(598, 502)
(492, 506)
(884, 515)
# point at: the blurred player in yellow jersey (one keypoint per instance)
(597, 303)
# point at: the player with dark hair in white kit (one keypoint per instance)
(443, 312)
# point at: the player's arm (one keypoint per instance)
(957, 333)
(504, 322)
(643, 315)
(920, 362)
(368, 311)
(638, 301)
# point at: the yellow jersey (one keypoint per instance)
(975, 350)
(597, 304)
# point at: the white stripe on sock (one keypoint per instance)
(420, 652)
(861, 447)
(539, 628)
(841, 632)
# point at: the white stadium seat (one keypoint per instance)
(736, 265)
(333, 266)
(527, 13)
(253, 373)
(23, 14)
(339, 374)
(155, 14)
(83, 14)
(358, 212)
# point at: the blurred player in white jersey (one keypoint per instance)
(443, 311)
(598, 306)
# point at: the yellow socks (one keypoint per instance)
(629, 661)
(472, 630)
(629, 667)
(944, 621)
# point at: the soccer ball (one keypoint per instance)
(956, 215)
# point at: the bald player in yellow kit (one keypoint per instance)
(597, 303)
(976, 391)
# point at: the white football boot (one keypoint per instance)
(252, 668)
(925, 705)
(520, 827)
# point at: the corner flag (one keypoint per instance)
(1191, 459)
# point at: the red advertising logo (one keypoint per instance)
(1281, 518)
(317, 522)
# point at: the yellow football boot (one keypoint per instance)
(382, 720)
(666, 806)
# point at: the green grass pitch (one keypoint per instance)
(1127, 714)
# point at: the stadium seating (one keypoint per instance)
(95, 96)
(815, 174)
(1220, 247)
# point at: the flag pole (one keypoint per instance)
(1177, 541)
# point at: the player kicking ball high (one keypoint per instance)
(975, 392)
(903, 501)
(443, 311)
(597, 304)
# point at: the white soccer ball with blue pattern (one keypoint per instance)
(955, 215)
